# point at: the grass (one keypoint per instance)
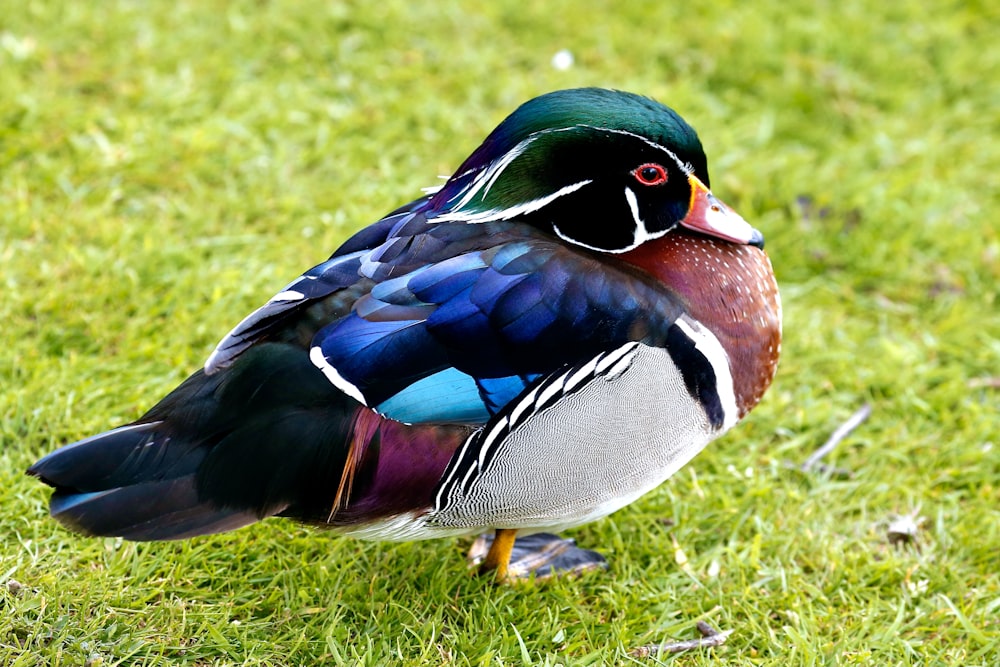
(167, 166)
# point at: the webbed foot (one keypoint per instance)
(538, 556)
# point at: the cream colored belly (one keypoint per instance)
(595, 450)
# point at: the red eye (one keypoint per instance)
(650, 174)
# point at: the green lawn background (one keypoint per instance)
(166, 166)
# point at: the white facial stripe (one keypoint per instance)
(507, 213)
(336, 379)
(633, 205)
(488, 176)
(706, 343)
(640, 236)
(498, 168)
(684, 166)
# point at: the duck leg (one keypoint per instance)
(538, 556)
(497, 559)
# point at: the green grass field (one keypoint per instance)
(167, 166)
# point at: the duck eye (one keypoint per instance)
(650, 174)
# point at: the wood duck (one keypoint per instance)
(539, 342)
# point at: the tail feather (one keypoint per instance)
(155, 510)
(134, 482)
(125, 455)
(264, 436)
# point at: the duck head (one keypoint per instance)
(602, 169)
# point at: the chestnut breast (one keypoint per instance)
(730, 289)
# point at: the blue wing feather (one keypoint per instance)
(454, 397)
(498, 392)
(320, 281)
(380, 358)
(529, 324)
(339, 272)
(446, 396)
(515, 310)
(449, 322)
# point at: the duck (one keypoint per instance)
(538, 342)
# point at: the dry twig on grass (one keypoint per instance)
(709, 637)
(842, 431)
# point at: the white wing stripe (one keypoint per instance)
(318, 359)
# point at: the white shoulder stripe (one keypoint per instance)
(706, 343)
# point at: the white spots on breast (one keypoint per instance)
(730, 289)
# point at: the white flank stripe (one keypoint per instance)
(551, 390)
(488, 440)
(582, 374)
(614, 356)
(706, 343)
(335, 378)
(439, 500)
(473, 470)
(524, 405)
(620, 367)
